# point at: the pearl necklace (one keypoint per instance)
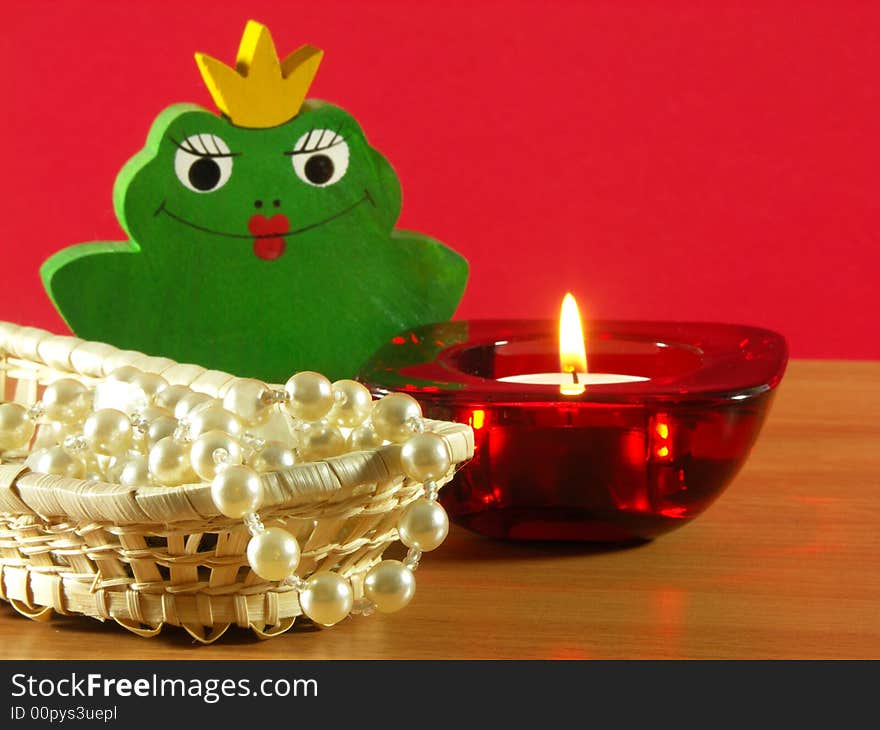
(135, 429)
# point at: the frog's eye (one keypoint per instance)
(320, 157)
(203, 162)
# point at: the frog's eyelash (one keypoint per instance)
(195, 145)
(311, 142)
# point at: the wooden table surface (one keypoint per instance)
(785, 565)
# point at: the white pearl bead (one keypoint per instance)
(393, 415)
(93, 464)
(160, 428)
(149, 385)
(390, 585)
(66, 400)
(151, 413)
(274, 456)
(204, 448)
(58, 460)
(326, 598)
(171, 396)
(16, 429)
(425, 456)
(363, 438)
(320, 441)
(169, 463)
(214, 418)
(424, 525)
(31, 461)
(352, 403)
(273, 554)
(203, 405)
(118, 391)
(134, 472)
(51, 433)
(245, 399)
(310, 396)
(237, 490)
(108, 431)
(113, 468)
(189, 402)
(125, 374)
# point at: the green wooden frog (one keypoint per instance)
(262, 241)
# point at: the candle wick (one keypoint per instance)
(574, 377)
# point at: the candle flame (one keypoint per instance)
(572, 351)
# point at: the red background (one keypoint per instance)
(671, 160)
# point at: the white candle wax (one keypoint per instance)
(568, 379)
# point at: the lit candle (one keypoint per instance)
(556, 459)
(574, 375)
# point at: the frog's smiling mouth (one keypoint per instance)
(250, 236)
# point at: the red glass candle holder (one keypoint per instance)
(617, 462)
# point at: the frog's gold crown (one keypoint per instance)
(261, 91)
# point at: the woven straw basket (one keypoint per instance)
(150, 556)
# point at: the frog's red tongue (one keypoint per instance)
(269, 235)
